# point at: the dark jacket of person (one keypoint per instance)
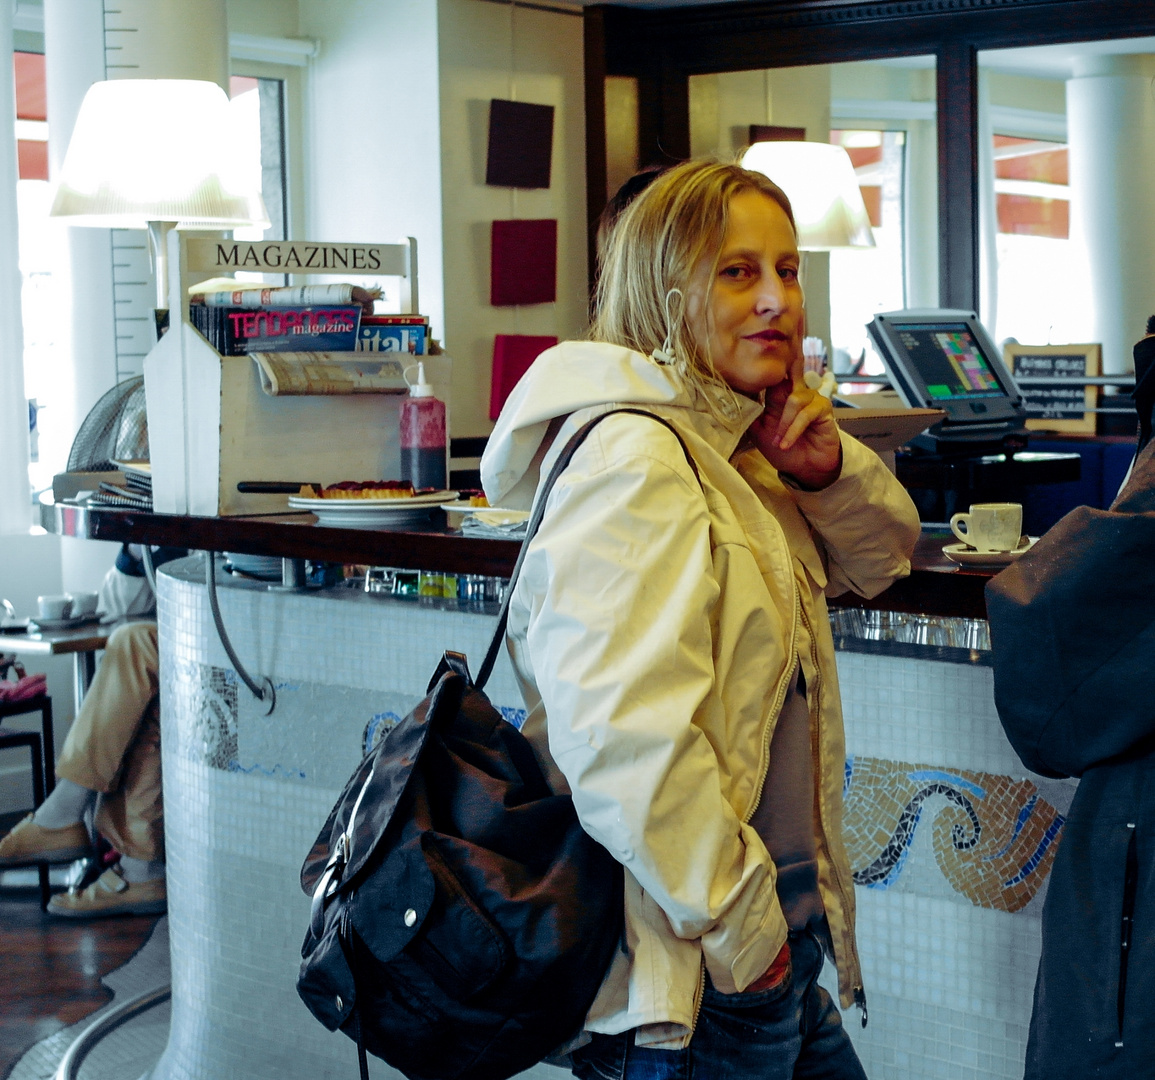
(1073, 638)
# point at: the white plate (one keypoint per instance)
(965, 555)
(466, 508)
(494, 515)
(373, 519)
(52, 625)
(429, 500)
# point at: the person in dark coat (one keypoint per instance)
(1073, 640)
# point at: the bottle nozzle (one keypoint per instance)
(420, 388)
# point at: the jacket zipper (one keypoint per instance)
(858, 990)
(699, 996)
(1126, 931)
(763, 769)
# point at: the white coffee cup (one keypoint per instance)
(83, 603)
(54, 607)
(990, 526)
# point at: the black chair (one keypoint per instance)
(42, 704)
(43, 760)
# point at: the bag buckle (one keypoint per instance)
(328, 884)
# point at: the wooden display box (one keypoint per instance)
(211, 426)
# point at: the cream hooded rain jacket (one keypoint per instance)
(654, 630)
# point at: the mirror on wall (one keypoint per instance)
(1067, 194)
(883, 114)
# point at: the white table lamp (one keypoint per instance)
(819, 180)
(157, 154)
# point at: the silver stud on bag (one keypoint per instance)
(340, 1003)
(410, 917)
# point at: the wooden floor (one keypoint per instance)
(50, 969)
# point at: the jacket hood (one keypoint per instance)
(570, 376)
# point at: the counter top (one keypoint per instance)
(291, 536)
(936, 586)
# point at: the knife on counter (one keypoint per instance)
(272, 487)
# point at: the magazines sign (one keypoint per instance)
(296, 257)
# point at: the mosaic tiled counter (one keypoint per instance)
(245, 795)
(950, 841)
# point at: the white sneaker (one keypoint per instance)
(110, 894)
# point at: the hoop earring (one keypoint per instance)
(665, 355)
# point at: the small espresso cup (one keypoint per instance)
(990, 526)
(83, 603)
(54, 607)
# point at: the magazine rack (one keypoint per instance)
(212, 426)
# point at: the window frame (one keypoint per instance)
(662, 48)
(293, 79)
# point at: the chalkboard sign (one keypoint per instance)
(1057, 408)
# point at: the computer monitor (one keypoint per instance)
(945, 359)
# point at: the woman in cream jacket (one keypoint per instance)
(664, 625)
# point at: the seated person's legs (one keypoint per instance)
(113, 749)
(96, 750)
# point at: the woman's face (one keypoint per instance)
(748, 315)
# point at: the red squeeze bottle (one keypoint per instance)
(422, 435)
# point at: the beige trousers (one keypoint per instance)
(113, 746)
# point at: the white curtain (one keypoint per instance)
(15, 493)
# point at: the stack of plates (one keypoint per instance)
(265, 567)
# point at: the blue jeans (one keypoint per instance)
(791, 1032)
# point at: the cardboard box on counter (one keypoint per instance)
(885, 430)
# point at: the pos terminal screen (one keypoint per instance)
(949, 360)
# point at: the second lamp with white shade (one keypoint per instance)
(819, 180)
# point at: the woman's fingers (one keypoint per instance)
(800, 409)
(804, 415)
(789, 413)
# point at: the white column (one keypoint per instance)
(167, 39)
(921, 225)
(1111, 131)
(86, 338)
(15, 512)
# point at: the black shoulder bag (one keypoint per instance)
(462, 920)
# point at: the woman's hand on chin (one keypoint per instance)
(797, 433)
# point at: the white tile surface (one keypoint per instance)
(949, 984)
(246, 794)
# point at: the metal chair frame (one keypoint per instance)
(43, 754)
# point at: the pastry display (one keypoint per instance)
(360, 489)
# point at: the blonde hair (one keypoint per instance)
(654, 248)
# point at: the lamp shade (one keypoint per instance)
(156, 150)
(819, 180)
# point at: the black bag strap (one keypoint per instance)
(362, 1057)
(563, 459)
